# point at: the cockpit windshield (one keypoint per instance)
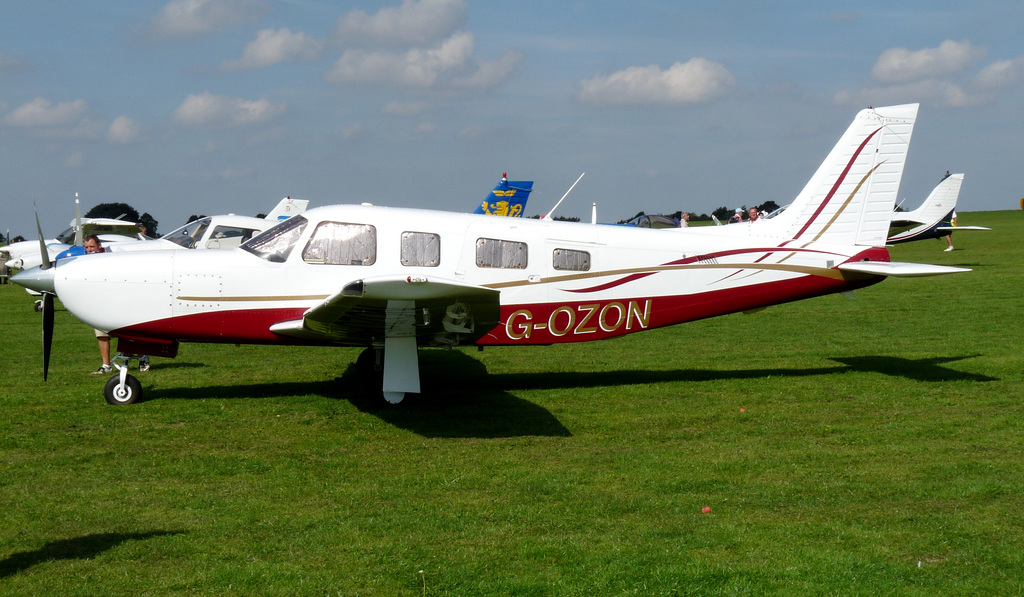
(189, 234)
(277, 243)
(67, 237)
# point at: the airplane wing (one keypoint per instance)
(955, 228)
(899, 269)
(433, 310)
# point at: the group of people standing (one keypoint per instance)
(752, 216)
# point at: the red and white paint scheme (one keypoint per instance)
(394, 280)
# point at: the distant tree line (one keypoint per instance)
(723, 213)
(124, 211)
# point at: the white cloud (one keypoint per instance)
(123, 130)
(185, 18)
(397, 108)
(209, 109)
(939, 91)
(426, 127)
(1002, 73)
(9, 64)
(415, 68)
(491, 74)
(232, 173)
(75, 160)
(41, 112)
(272, 47)
(696, 81)
(412, 23)
(900, 65)
(353, 131)
(938, 75)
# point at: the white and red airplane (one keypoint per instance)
(394, 280)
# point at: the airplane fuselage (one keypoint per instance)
(558, 281)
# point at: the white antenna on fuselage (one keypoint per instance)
(548, 217)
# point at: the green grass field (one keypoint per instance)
(844, 447)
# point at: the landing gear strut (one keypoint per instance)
(122, 388)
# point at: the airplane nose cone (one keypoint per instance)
(40, 280)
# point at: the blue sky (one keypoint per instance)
(214, 106)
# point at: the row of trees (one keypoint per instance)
(723, 213)
(127, 212)
(124, 212)
(105, 210)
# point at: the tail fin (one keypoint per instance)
(935, 210)
(287, 208)
(507, 199)
(850, 198)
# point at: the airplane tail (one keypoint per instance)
(507, 199)
(850, 198)
(287, 208)
(936, 210)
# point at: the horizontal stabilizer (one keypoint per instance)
(899, 269)
(955, 228)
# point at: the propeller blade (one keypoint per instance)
(42, 243)
(79, 233)
(47, 331)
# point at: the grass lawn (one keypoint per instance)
(844, 447)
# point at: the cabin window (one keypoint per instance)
(337, 243)
(570, 260)
(276, 243)
(188, 234)
(506, 254)
(228, 237)
(421, 249)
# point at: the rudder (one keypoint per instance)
(850, 198)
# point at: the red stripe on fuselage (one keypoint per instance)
(241, 326)
(583, 321)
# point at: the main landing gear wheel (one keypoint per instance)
(130, 394)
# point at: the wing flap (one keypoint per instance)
(434, 311)
(899, 269)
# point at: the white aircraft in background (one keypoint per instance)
(393, 280)
(935, 218)
(216, 232)
(209, 232)
(26, 255)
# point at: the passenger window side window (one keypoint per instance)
(505, 254)
(421, 249)
(570, 260)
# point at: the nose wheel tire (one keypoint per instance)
(115, 394)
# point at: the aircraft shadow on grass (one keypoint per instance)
(916, 369)
(78, 548)
(459, 399)
(449, 405)
(919, 370)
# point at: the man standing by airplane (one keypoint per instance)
(92, 245)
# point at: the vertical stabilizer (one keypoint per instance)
(850, 198)
(287, 208)
(940, 202)
(508, 198)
